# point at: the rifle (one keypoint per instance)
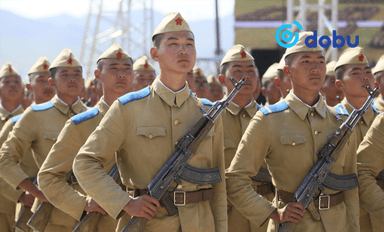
(327, 157)
(40, 218)
(90, 221)
(177, 164)
(25, 215)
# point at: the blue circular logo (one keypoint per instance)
(287, 35)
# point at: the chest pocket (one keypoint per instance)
(151, 131)
(292, 139)
(229, 143)
(51, 135)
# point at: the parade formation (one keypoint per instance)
(132, 150)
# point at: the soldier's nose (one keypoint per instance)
(121, 76)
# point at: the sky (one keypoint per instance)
(192, 10)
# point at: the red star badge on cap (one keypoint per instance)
(45, 66)
(119, 55)
(69, 60)
(243, 54)
(198, 73)
(361, 57)
(10, 69)
(146, 65)
(178, 21)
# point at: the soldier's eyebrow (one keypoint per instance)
(355, 68)
(367, 67)
(172, 38)
(77, 71)
(321, 57)
(63, 70)
(236, 66)
(191, 39)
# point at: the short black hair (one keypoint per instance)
(32, 77)
(157, 39)
(378, 76)
(52, 72)
(223, 68)
(289, 59)
(280, 74)
(339, 72)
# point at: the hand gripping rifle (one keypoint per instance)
(24, 216)
(177, 166)
(317, 178)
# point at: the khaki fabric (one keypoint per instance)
(379, 66)
(236, 53)
(65, 59)
(235, 122)
(331, 68)
(172, 22)
(379, 103)
(114, 52)
(145, 132)
(41, 65)
(289, 141)
(300, 46)
(70, 198)
(352, 56)
(6, 222)
(142, 64)
(8, 70)
(37, 130)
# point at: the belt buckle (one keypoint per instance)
(184, 197)
(324, 199)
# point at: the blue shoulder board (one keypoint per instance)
(16, 118)
(274, 108)
(135, 95)
(375, 109)
(41, 107)
(85, 115)
(341, 110)
(206, 102)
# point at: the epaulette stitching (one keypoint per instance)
(16, 118)
(134, 95)
(85, 115)
(274, 108)
(42, 107)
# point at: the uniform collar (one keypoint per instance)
(102, 106)
(301, 109)
(77, 107)
(368, 117)
(5, 114)
(251, 108)
(170, 97)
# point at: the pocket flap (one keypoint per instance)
(151, 131)
(292, 139)
(229, 143)
(52, 135)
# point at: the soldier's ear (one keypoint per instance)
(264, 91)
(153, 52)
(287, 71)
(376, 84)
(277, 82)
(28, 86)
(52, 82)
(97, 75)
(222, 79)
(339, 85)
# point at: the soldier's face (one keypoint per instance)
(191, 81)
(11, 88)
(216, 92)
(201, 87)
(271, 92)
(239, 70)
(117, 75)
(356, 77)
(177, 52)
(307, 71)
(69, 80)
(381, 83)
(330, 91)
(142, 79)
(42, 89)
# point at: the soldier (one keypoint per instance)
(332, 95)
(11, 92)
(143, 73)
(215, 89)
(89, 94)
(201, 83)
(42, 91)
(238, 63)
(114, 72)
(378, 72)
(288, 136)
(144, 127)
(256, 94)
(282, 82)
(191, 81)
(269, 88)
(38, 129)
(353, 73)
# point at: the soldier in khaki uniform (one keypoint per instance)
(191, 81)
(144, 127)
(38, 129)
(215, 89)
(143, 74)
(288, 136)
(269, 88)
(42, 91)
(115, 74)
(353, 73)
(378, 72)
(329, 91)
(238, 63)
(201, 83)
(11, 92)
(282, 82)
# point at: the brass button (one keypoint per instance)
(176, 142)
(176, 122)
(174, 105)
(150, 136)
(316, 132)
(362, 122)
(293, 144)
(179, 187)
(312, 114)
(244, 115)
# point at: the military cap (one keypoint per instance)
(281, 63)
(236, 53)
(331, 68)
(172, 22)
(271, 73)
(352, 56)
(65, 59)
(88, 84)
(114, 52)
(197, 72)
(300, 46)
(142, 64)
(42, 65)
(379, 66)
(211, 79)
(7, 70)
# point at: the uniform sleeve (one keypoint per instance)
(9, 192)
(251, 152)
(370, 158)
(14, 148)
(219, 203)
(99, 149)
(52, 175)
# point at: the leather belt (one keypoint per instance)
(264, 189)
(380, 183)
(323, 202)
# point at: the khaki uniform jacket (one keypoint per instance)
(70, 198)
(379, 103)
(6, 205)
(288, 136)
(37, 129)
(145, 126)
(370, 157)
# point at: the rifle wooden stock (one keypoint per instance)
(21, 222)
(136, 224)
(89, 223)
(39, 219)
